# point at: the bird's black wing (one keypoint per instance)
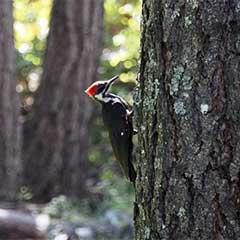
(120, 133)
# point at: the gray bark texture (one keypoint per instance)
(56, 138)
(188, 117)
(10, 165)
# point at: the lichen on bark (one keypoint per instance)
(188, 166)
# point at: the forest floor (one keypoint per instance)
(62, 219)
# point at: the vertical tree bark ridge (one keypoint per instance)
(62, 113)
(188, 118)
(10, 166)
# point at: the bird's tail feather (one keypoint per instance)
(132, 173)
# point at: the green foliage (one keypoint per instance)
(117, 193)
(31, 26)
(77, 212)
(121, 40)
(70, 210)
(117, 199)
(31, 23)
(121, 36)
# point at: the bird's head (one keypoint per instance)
(99, 89)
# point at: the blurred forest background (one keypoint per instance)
(66, 163)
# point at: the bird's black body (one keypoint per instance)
(117, 117)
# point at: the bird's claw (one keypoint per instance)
(135, 131)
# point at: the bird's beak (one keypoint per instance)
(112, 80)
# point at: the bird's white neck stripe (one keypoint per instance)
(101, 98)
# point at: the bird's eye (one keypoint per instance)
(100, 88)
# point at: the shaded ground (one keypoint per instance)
(63, 220)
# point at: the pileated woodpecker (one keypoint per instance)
(117, 117)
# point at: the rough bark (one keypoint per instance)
(56, 138)
(10, 166)
(187, 112)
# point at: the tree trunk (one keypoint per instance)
(187, 112)
(56, 138)
(10, 166)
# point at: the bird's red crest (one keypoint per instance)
(91, 90)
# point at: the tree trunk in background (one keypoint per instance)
(188, 116)
(56, 139)
(10, 166)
